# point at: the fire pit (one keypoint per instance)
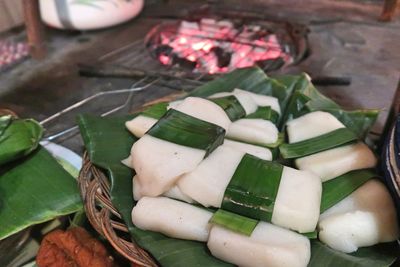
(218, 46)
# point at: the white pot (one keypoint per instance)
(88, 14)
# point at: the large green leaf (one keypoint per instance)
(35, 189)
(381, 255)
(19, 138)
(107, 142)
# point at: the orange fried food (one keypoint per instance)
(72, 248)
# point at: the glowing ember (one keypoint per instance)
(217, 46)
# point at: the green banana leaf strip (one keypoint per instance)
(289, 81)
(296, 107)
(358, 121)
(33, 190)
(250, 79)
(281, 138)
(20, 138)
(155, 111)
(381, 255)
(279, 141)
(182, 129)
(266, 113)
(4, 122)
(231, 106)
(311, 235)
(317, 100)
(107, 142)
(335, 190)
(253, 188)
(317, 144)
(234, 222)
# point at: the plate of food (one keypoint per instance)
(245, 170)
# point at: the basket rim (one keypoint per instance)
(94, 188)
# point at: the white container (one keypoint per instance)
(88, 14)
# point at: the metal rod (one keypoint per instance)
(126, 72)
(131, 91)
(90, 98)
(113, 52)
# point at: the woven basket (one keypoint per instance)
(95, 192)
(4, 112)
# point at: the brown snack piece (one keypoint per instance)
(72, 248)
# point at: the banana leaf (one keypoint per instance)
(295, 108)
(19, 138)
(381, 255)
(253, 188)
(231, 106)
(359, 121)
(107, 142)
(234, 222)
(4, 122)
(266, 113)
(279, 141)
(155, 111)
(311, 235)
(317, 144)
(339, 188)
(249, 79)
(33, 190)
(185, 130)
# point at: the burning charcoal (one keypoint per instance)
(215, 46)
(225, 24)
(189, 25)
(163, 50)
(183, 62)
(254, 28)
(209, 28)
(224, 57)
